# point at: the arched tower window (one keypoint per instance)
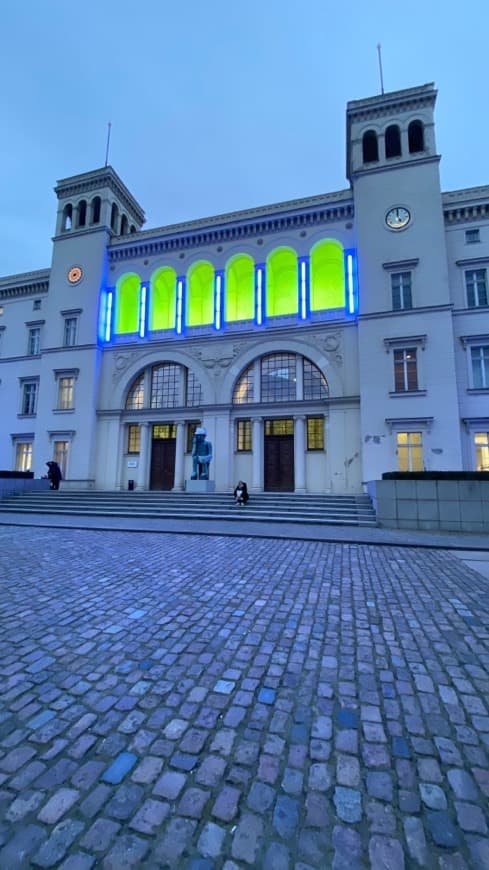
(282, 283)
(82, 213)
(124, 226)
(127, 304)
(163, 299)
(416, 137)
(240, 288)
(370, 147)
(200, 294)
(327, 275)
(67, 217)
(95, 207)
(114, 217)
(393, 141)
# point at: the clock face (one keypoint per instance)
(397, 218)
(75, 274)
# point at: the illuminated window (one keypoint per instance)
(165, 431)
(401, 290)
(480, 367)
(240, 289)
(200, 295)
(60, 455)
(135, 397)
(23, 456)
(315, 384)
(327, 276)
(405, 370)
(127, 304)
(315, 433)
(278, 378)
(29, 398)
(243, 436)
(278, 381)
(244, 389)
(282, 283)
(133, 438)
(279, 427)
(191, 427)
(34, 341)
(481, 443)
(194, 390)
(66, 387)
(410, 451)
(163, 298)
(165, 386)
(69, 338)
(476, 285)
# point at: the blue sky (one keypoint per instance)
(218, 106)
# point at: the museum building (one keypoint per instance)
(320, 342)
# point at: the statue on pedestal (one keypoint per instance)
(201, 455)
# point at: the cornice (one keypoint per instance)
(371, 169)
(407, 100)
(25, 284)
(463, 214)
(89, 182)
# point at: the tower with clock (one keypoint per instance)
(404, 298)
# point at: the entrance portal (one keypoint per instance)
(279, 456)
(163, 449)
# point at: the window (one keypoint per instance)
(34, 341)
(480, 367)
(278, 377)
(410, 451)
(29, 398)
(279, 427)
(194, 390)
(405, 370)
(36, 305)
(165, 386)
(415, 137)
(370, 147)
(476, 284)
(315, 433)
(393, 141)
(67, 217)
(135, 397)
(315, 384)
(60, 455)
(82, 213)
(481, 443)
(23, 456)
(472, 237)
(243, 436)
(133, 438)
(191, 427)
(401, 291)
(66, 387)
(69, 338)
(95, 209)
(244, 389)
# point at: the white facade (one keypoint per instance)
(321, 342)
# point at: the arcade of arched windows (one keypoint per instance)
(392, 141)
(88, 213)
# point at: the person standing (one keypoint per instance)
(54, 474)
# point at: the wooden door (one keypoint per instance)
(162, 474)
(279, 457)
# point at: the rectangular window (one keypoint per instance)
(480, 367)
(167, 431)
(476, 284)
(60, 455)
(279, 427)
(191, 427)
(472, 236)
(405, 370)
(165, 386)
(243, 436)
(401, 291)
(36, 305)
(69, 338)
(66, 387)
(481, 442)
(279, 378)
(29, 398)
(315, 433)
(23, 456)
(34, 341)
(410, 451)
(133, 438)
(194, 390)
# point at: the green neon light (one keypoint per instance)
(327, 276)
(163, 299)
(200, 294)
(282, 283)
(127, 304)
(239, 288)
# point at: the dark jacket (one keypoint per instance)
(244, 489)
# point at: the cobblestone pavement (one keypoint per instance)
(207, 703)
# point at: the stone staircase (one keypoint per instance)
(353, 510)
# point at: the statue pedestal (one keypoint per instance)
(200, 486)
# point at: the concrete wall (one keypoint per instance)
(444, 505)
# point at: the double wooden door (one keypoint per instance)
(279, 455)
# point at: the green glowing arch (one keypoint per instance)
(200, 294)
(162, 312)
(282, 282)
(127, 303)
(327, 275)
(240, 288)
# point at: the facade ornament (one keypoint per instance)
(122, 361)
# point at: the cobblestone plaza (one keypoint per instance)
(208, 702)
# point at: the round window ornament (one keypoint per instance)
(75, 274)
(398, 218)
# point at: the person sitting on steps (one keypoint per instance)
(241, 493)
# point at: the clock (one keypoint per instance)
(397, 218)
(75, 275)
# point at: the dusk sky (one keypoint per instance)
(219, 106)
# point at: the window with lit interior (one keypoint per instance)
(410, 451)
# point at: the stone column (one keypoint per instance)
(143, 469)
(179, 482)
(257, 442)
(300, 453)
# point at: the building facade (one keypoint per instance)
(320, 342)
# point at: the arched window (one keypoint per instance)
(244, 389)
(416, 137)
(163, 297)
(200, 294)
(82, 213)
(171, 386)
(240, 288)
(327, 276)
(279, 382)
(127, 304)
(393, 141)
(67, 217)
(114, 217)
(282, 283)
(133, 228)
(124, 225)
(95, 207)
(370, 147)
(135, 396)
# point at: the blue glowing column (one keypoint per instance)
(143, 308)
(106, 315)
(179, 319)
(218, 297)
(304, 288)
(260, 291)
(351, 281)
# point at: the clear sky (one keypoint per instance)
(218, 106)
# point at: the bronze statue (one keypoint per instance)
(201, 455)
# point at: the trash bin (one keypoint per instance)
(130, 484)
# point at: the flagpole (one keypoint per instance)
(379, 52)
(109, 126)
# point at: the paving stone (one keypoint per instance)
(432, 796)
(442, 829)
(211, 840)
(174, 842)
(347, 845)
(416, 840)
(128, 851)
(226, 804)
(58, 843)
(119, 768)
(192, 803)
(24, 842)
(260, 797)
(170, 785)
(150, 816)
(277, 857)
(247, 839)
(58, 805)
(348, 803)
(471, 818)
(386, 853)
(100, 835)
